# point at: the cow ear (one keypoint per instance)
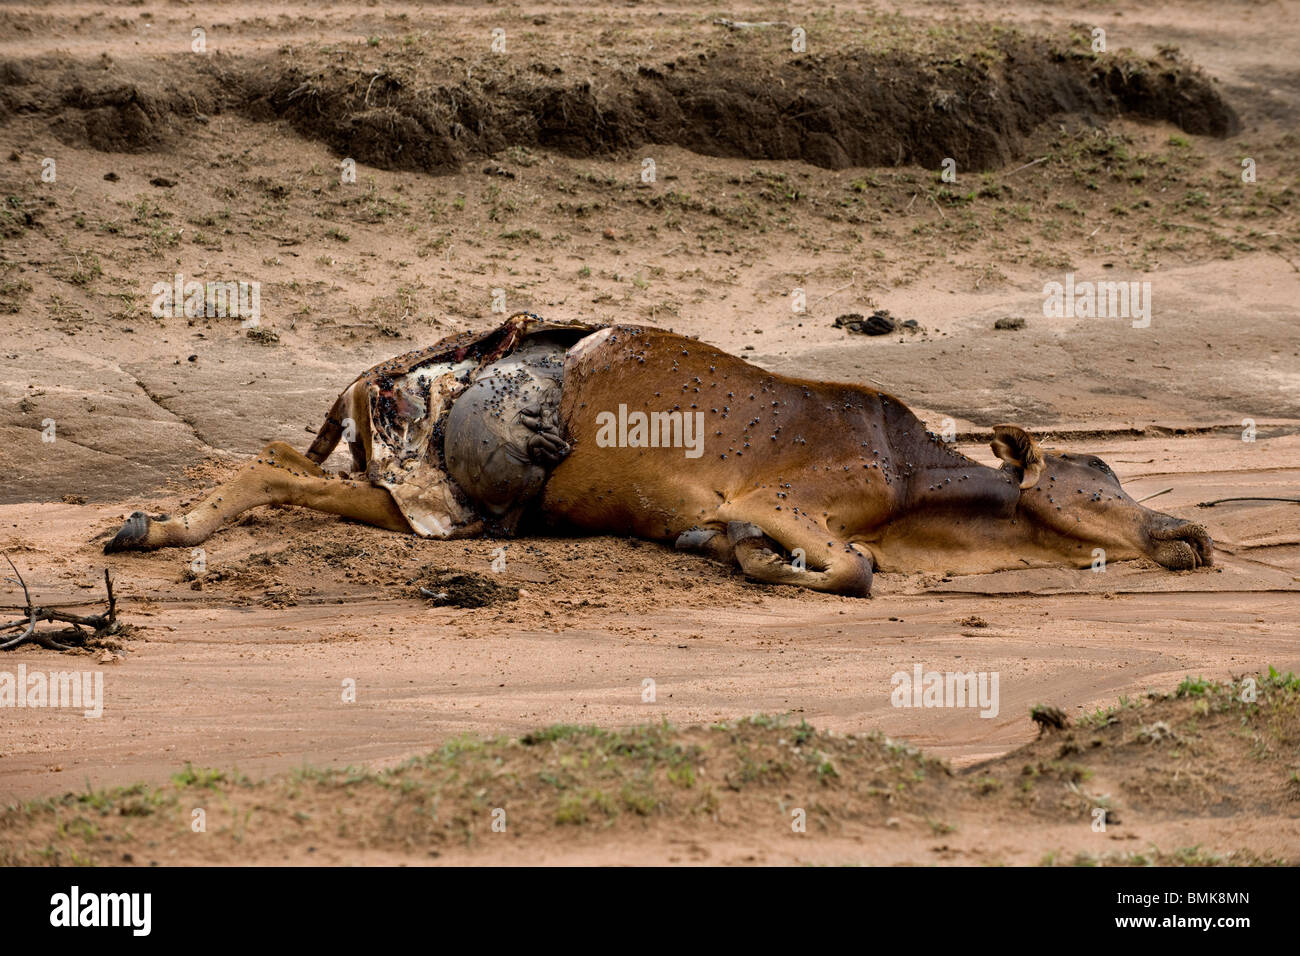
(1017, 447)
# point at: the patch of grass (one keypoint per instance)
(193, 776)
(748, 769)
(561, 732)
(1193, 687)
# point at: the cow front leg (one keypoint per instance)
(279, 476)
(819, 562)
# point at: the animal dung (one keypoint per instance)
(452, 588)
(879, 322)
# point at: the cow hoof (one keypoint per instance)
(132, 536)
(738, 531)
(695, 539)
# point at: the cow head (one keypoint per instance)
(1072, 499)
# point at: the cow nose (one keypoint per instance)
(1183, 545)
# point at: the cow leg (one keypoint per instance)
(710, 542)
(279, 476)
(828, 564)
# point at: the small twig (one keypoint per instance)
(749, 24)
(31, 613)
(834, 292)
(26, 594)
(1156, 495)
(1219, 501)
(378, 74)
(1285, 259)
(1027, 165)
(25, 635)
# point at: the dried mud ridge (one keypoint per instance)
(401, 110)
(1201, 751)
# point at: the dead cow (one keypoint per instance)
(630, 430)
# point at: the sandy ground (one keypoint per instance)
(245, 670)
(220, 679)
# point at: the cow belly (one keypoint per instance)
(486, 441)
(654, 485)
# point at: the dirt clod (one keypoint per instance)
(879, 322)
(463, 589)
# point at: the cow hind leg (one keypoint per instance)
(815, 562)
(710, 542)
(279, 476)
